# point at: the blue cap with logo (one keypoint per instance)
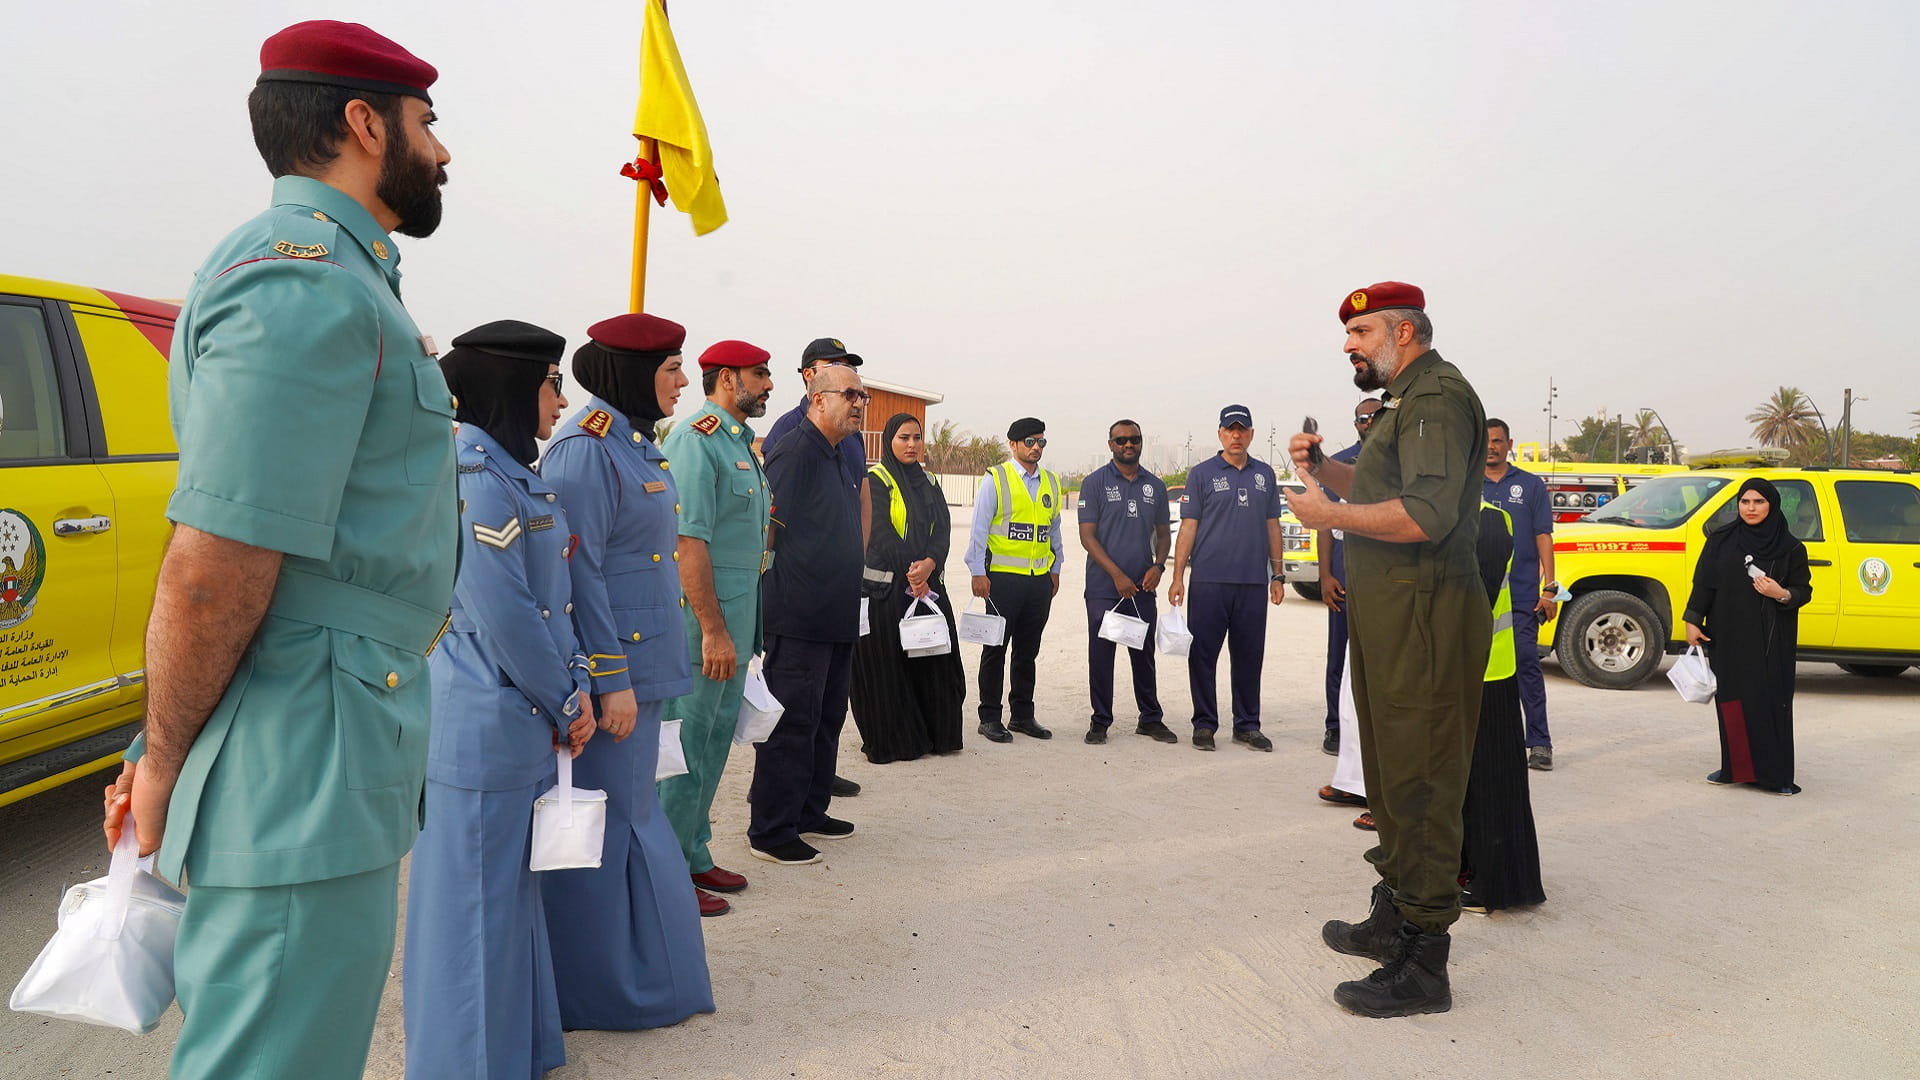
(1236, 414)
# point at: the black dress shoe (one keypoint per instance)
(1719, 776)
(1254, 740)
(1331, 744)
(844, 788)
(1203, 740)
(995, 731)
(1030, 728)
(1159, 731)
(1096, 736)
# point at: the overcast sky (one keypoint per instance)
(1088, 210)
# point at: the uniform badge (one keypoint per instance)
(502, 537)
(1514, 494)
(742, 466)
(707, 425)
(300, 251)
(379, 249)
(1243, 497)
(597, 423)
(1359, 301)
(473, 468)
(540, 524)
(1113, 494)
(1133, 508)
(654, 487)
(1875, 576)
(1146, 490)
(23, 568)
(1221, 483)
(1260, 481)
(1046, 500)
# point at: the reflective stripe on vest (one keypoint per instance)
(896, 500)
(1021, 539)
(1500, 659)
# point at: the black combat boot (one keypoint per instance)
(1411, 983)
(1376, 939)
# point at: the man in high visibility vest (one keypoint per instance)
(1013, 553)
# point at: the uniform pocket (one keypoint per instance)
(380, 709)
(430, 440)
(640, 625)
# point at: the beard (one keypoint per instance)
(1128, 456)
(1380, 367)
(752, 404)
(410, 187)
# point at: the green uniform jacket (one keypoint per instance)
(1430, 435)
(312, 420)
(724, 501)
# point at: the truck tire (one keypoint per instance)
(1874, 671)
(1308, 589)
(1611, 640)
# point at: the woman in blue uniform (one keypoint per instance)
(627, 950)
(508, 685)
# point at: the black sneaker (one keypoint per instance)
(792, 853)
(1331, 744)
(1203, 740)
(1096, 736)
(844, 788)
(1158, 730)
(1254, 740)
(829, 828)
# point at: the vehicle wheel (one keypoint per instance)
(1874, 671)
(1308, 589)
(1610, 639)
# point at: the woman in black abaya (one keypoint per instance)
(905, 706)
(1748, 589)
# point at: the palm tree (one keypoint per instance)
(943, 447)
(1786, 420)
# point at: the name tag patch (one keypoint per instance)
(654, 487)
(1221, 483)
(540, 524)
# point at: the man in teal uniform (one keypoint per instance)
(309, 574)
(724, 505)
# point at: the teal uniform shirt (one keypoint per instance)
(312, 420)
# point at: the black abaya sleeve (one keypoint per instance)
(1797, 578)
(1700, 601)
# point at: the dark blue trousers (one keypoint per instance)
(1234, 616)
(793, 769)
(1336, 663)
(1146, 687)
(1533, 686)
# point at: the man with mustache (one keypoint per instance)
(308, 577)
(1421, 631)
(724, 503)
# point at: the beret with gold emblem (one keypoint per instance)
(344, 54)
(639, 333)
(733, 354)
(1381, 296)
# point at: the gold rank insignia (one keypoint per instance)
(707, 424)
(1359, 301)
(300, 251)
(597, 423)
(379, 249)
(502, 537)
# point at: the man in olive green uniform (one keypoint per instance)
(280, 771)
(724, 505)
(1420, 630)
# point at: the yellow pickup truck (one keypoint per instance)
(87, 463)
(1629, 565)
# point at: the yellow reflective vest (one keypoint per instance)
(896, 499)
(1500, 658)
(1021, 539)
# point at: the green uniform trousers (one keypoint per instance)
(1419, 663)
(707, 717)
(283, 980)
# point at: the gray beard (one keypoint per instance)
(1380, 370)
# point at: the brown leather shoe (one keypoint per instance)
(711, 905)
(720, 880)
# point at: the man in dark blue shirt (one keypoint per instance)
(1123, 526)
(811, 599)
(1230, 532)
(1330, 544)
(1524, 497)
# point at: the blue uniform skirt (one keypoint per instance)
(627, 945)
(478, 980)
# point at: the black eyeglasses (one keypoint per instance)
(554, 380)
(1125, 440)
(859, 396)
(1031, 443)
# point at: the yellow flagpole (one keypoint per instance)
(642, 218)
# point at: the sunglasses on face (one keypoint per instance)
(1125, 440)
(554, 381)
(1032, 443)
(1362, 419)
(858, 397)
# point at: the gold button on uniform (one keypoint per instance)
(683, 601)
(735, 429)
(637, 437)
(663, 466)
(550, 496)
(453, 400)
(676, 556)
(656, 558)
(318, 216)
(636, 635)
(393, 679)
(379, 249)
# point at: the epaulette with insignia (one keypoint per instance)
(597, 423)
(707, 424)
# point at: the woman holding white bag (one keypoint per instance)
(906, 706)
(509, 685)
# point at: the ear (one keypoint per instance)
(365, 127)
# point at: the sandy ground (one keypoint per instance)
(1052, 909)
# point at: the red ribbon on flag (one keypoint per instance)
(648, 173)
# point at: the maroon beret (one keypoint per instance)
(344, 54)
(1381, 296)
(733, 354)
(639, 333)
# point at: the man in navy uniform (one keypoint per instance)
(1524, 497)
(1230, 535)
(1123, 526)
(1330, 549)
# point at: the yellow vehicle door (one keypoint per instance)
(1810, 518)
(1879, 565)
(58, 580)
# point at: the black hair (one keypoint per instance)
(710, 380)
(1121, 423)
(1505, 431)
(298, 126)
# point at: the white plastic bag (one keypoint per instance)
(569, 824)
(1171, 633)
(921, 632)
(1693, 677)
(673, 758)
(1124, 629)
(759, 709)
(111, 961)
(983, 627)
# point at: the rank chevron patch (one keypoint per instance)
(502, 537)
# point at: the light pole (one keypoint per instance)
(1824, 433)
(1553, 395)
(1672, 455)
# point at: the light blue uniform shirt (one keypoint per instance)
(986, 503)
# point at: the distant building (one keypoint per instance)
(889, 399)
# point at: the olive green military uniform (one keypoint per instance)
(725, 503)
(1420, 633)
(311, 420)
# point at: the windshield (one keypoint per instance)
(1660, 503)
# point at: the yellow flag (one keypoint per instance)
(669, 116)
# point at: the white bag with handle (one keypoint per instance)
(673, 757)
(759, 709)
(1693, 676)
(1119, 627)
(110, 962)
(983, 627)
(1171, 633)
(921, 632)
(569, 824)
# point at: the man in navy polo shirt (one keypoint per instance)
(1233, 543)
(1123, 526)
(1524, 497)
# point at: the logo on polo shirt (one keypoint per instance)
(1133, 508)
(1513, 494)
(1243, 496)
(1146, 490)
(1221, 483)
(1113, 494)
(1260, 481)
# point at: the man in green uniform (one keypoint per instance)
(1420, 630)
(280, 771)
(724, 505)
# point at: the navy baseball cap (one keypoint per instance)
(1236, 414)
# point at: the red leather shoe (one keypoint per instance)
(720, 880)
(711, 905)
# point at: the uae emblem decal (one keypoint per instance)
(23, 566)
